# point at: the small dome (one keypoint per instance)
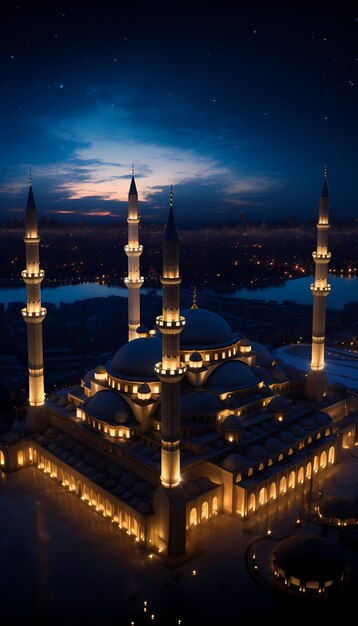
(52, 433)
(108, 406)
(136, 359)
(256, 431)
(144, 388)
(232, 422)
(230, 376)
(278, 403)
(278, 374)
(309, 558)
(88, 377)
(286, 437)
(308, 424)
(195, 357)
(199, 403)
(100, 369)
(263, 374)
(204, 329)
(9, 437)
(235, 463)
(230, 402)
(244, 342)
(257, 453)
(322, 419)
(273, 445)
(297, 431)
(264, 357)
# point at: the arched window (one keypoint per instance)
(323, 460)
(327, 432)
(292, 480)
(290, 451)
(262, 496)
(214, 507)
(20, 457)
(315, 464)
(193, 517)
(272, 491)
(252, 502)
(309, 470)
(318, 436)
(2, 458)
(261, 467)
(331, 455)
(250, 471)
(282, 485)
(309, 440)
(204, 510)
(301, 475)
(280, 456)
(269, 462)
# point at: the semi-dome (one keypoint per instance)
(273, 445)
(235, 463)
(230, 402)
(297, 431)
(264, 357)
(199, 403)
(322, 419)
(205, 329)
(232, 422)
(110, 407)
(278, 403)
(308, 424)
(257, 453)
(286, 437)
(135, 360)
(230, 376)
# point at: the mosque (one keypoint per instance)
(188, 420)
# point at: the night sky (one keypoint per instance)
(240, 111)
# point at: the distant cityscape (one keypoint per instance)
(250, 254)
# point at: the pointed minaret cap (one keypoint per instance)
(30, 204)
(171, 231)
(324, 192)
(194, 306)
(133, 188)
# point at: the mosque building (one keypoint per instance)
(188, 420)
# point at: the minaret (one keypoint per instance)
(316, 385)
(170, 372)
(133, 251)
(33, 313)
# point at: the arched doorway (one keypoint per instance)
(193, 520)
(331, 455)
(262, 496)
(273, 491)
(283, 485)
(251, 502)
(204, 510)
(215, 505)
(292, 480)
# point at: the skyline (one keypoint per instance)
(239, 113)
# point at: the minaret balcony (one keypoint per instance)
(170, 375)
(133, 251)
(170, 328)
(323, 258)
(320, 291)
(33, 277)
(134, 282)
(33, 317)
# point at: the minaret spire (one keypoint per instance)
(33, 313)
(316, 381)
(170, 372)
(133, 251)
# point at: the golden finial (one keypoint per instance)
(132, 169)
(325, 171)
(30, 179)
(194, 306)
(171, 197)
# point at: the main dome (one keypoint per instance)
(205, 329)
(136, 359)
